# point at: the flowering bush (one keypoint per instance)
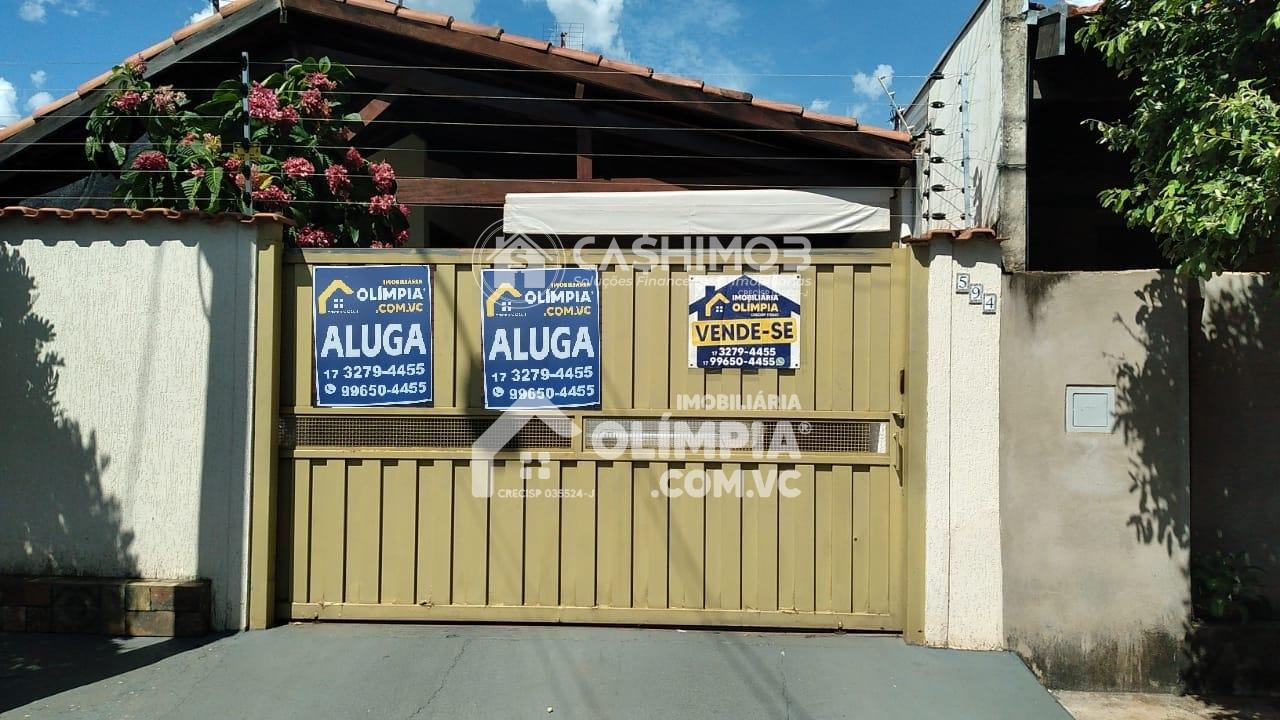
(299, 162)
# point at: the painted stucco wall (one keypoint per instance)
(963, 590)
(1095, 526)
(1235, 458)
(137, 463)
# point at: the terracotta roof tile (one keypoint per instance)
(626, 67)
(677, 80)
(727, 93)
(152, 51)
(440, 20)
(9, 131)
(779, 106)
(58, 104)
(492, 31)
(183, 33)
(523, 41)
(953, 235)
(423, 16)
(833, 119)
(1077, 10)
(90, 85)
(29, 213)
(589, 58)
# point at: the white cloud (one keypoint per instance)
(694, 38)
(820, 105)
(460, 9)
(8, 102)
(39, 99)
(599, 19)
(37, 10)
(38, 78)
(868, 85)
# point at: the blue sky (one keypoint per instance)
(820, 53)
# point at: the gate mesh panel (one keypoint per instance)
(458, 431)
(736, 434)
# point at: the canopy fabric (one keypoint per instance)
(810, 211)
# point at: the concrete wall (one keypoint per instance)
(962, 427)
(126, 388)
(1095, 527)
(1235, 456)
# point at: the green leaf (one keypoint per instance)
(119, 152)
(191, 188)
(213, 178)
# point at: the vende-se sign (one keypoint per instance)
(372, 335)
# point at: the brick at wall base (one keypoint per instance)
(110, 606)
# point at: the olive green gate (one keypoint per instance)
(374, 518)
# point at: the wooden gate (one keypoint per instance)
(376, 519)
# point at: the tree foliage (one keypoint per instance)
(297, 162)
(1204, 136)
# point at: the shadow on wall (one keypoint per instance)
(52, 507)
(1151, 413)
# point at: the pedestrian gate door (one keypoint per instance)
(377, 519)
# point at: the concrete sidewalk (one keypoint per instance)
(430, 671)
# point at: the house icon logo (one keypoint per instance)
(500, 434)
(326, 300)
(499, 250)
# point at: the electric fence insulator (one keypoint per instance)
(937, 131)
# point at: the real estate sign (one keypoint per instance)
(744, 321)
(372, 335)
(541, 330)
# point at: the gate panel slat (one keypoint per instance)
(444, 332)
(468, 380)
(799, 382)
(796, 543)
(879, 544)
(652, 339)
(506, 534)
(328, 530)
(435, 532)
(613, 546)
(470, 540)
(399, 531)
(617, 304)
(687, 558)
(865, 344)
(649, 537)
(724, 544)
(685, 380)
(301, 526)
(861, 539)
(300, 362)
(880, 378)
(759, 542)
(578, 534)
(284, 529)
(364, 530)
(833, 527)
(542, 535)
(842, 347)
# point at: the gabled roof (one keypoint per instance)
(495, 43)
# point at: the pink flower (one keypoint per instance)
(128, 101)
(404, 210)
(189, 139)
(151, 160)
(197, 171)
(314, 104)
(298, 167)
(381, 204)
(263, 103)
(402, 237)
(232, 164)
(379, 244)
(271, 197)
(166, 100)
(312, 236)
(287, 117)
(320, 81)
(353, 160)
(339, 182)
(136, 65)
(384, 176)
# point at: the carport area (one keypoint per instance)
(492, 671)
